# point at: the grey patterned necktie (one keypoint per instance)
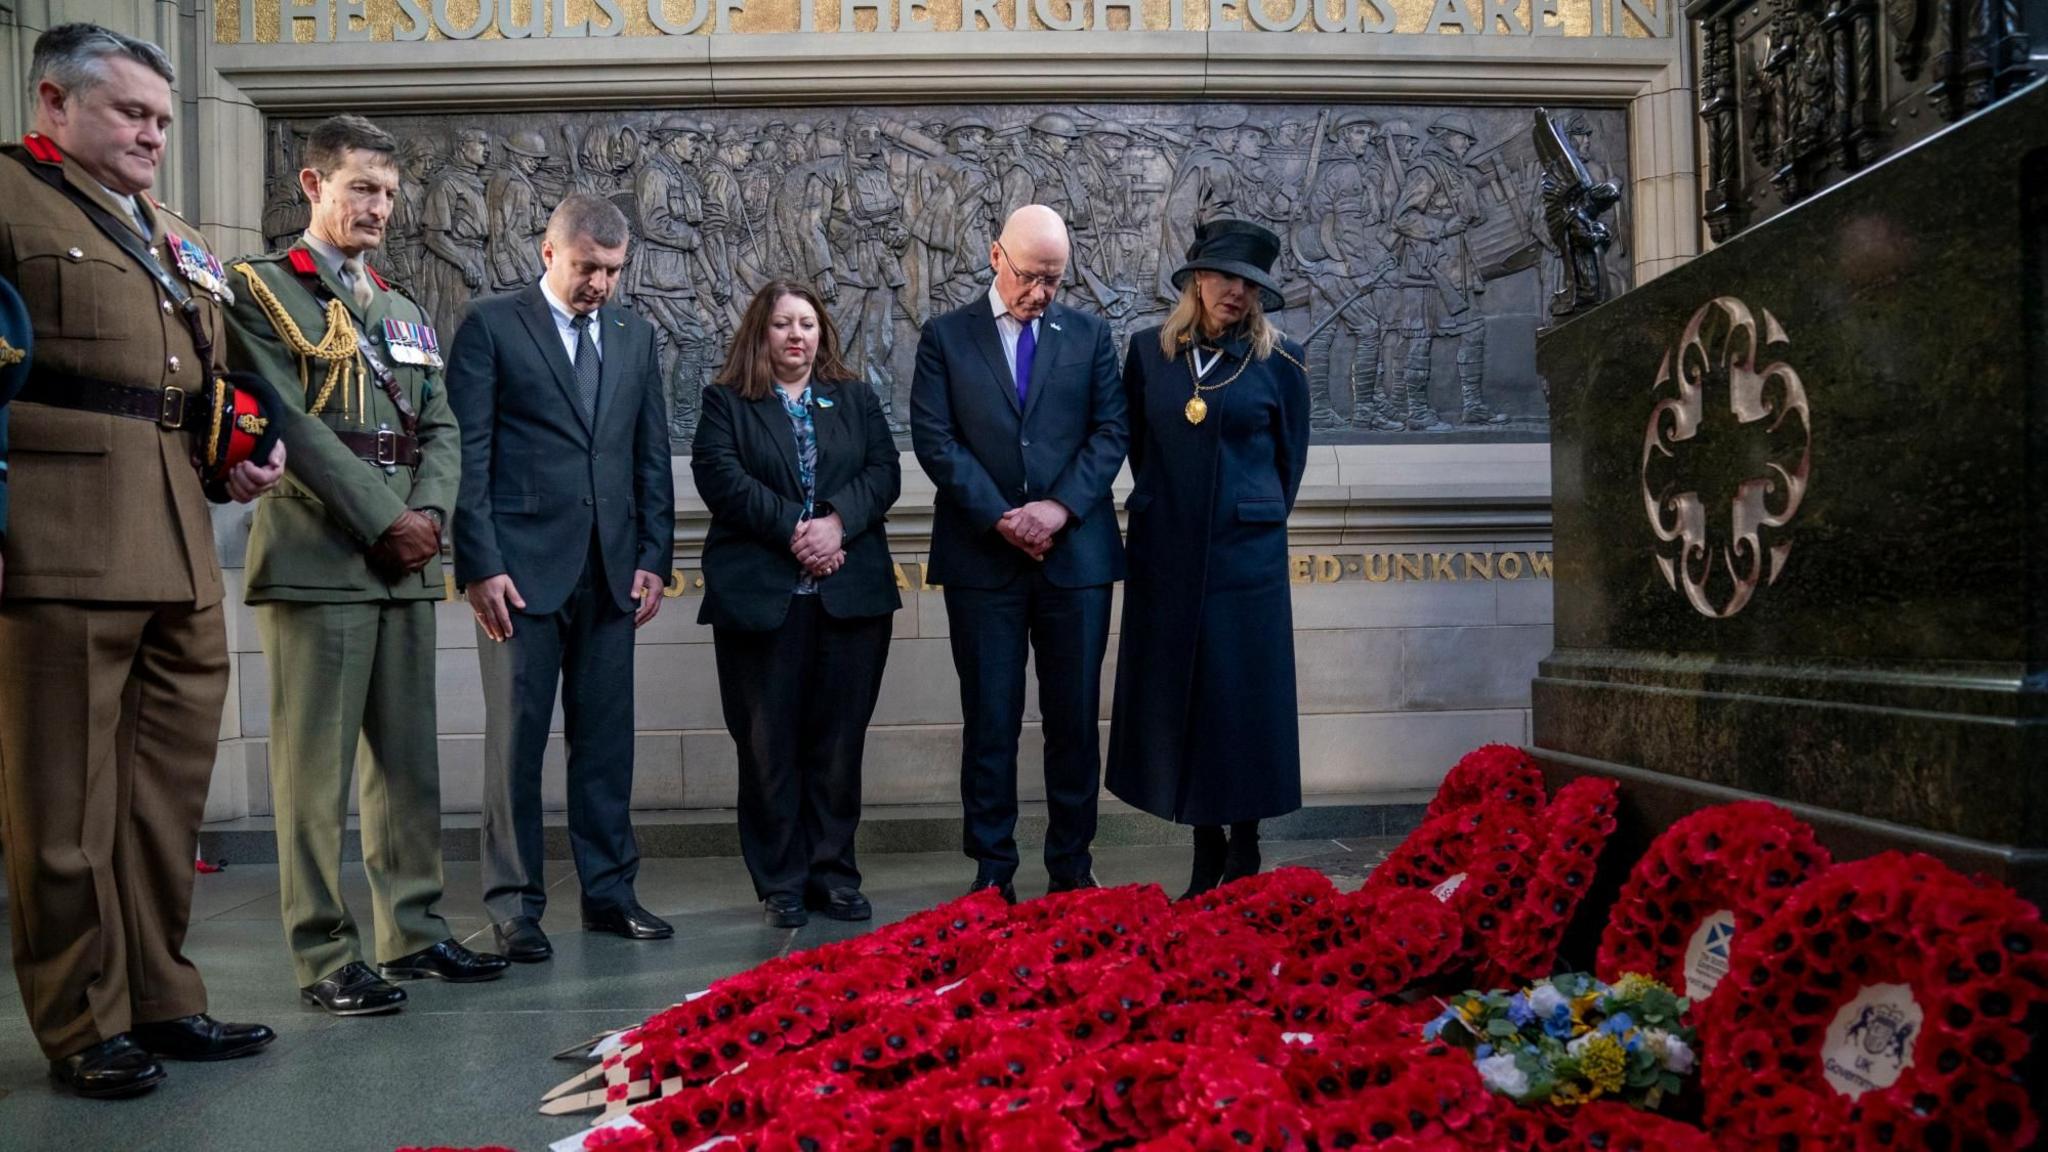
(586, 366)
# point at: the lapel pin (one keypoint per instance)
(1055, 325)
(824, 402)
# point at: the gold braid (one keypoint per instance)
(213, 441)
(337, 349)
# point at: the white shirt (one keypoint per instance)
(1010, 328)
(565, 325)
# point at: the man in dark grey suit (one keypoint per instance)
(564, 530)
(1017, 414)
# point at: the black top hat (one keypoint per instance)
(17, 337)
(1236, 248)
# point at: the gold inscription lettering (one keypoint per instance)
(1539, 564)
(1408, 566)
(1440, 566)
(1511, 565)
(1328, 570)
(1378, 567)
(1478, 565)
(1297, 569)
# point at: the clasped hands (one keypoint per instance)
(1032, 527)
(406, 547)
(818, 543)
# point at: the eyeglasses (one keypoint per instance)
(1031, 279)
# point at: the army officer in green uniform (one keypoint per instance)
(343, 571)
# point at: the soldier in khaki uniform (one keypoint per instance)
(344, 569)
(112, 634)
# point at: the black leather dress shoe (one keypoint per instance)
(782, 910)
(522, 941)
(1006, 887)
(108, 1070)
(628, 920)
(201, 1037)
(354, 990)
(840, 904)
(448, 961)
(1072, 883)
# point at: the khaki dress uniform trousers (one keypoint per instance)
(351, 654)
(113, 642)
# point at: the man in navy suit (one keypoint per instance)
(1017, 414)
(564, 535)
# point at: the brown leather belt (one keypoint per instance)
(386, 449)
(171, 407)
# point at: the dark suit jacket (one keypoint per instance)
(745, 462)
(536, 477)
(987, 456)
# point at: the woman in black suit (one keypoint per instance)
(1204, 729)
(796, 463)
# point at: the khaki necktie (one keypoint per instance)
(358, 277)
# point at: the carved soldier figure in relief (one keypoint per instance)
(455, 223)
(724, 231)
(402, 253)
(518, 216)
(668, 213)
(1205, 188)
(762, 256)
(972, 208)
(1342, 241)
(1044, 172)
(1108, 254)
(1438, 205)
(854, 239)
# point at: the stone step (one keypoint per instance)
(892, 828)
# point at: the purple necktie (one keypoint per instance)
(1027, 347)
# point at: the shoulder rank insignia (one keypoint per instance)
(199, 266)
(302, 262)
(411, 343)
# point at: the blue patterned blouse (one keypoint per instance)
(799, 411)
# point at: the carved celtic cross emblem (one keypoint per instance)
(1726, 458)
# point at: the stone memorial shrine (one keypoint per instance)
(1798, 483)
(870, 148)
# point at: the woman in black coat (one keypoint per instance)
(1204, 730)
(796, 463)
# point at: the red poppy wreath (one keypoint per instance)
(1881, 1006)
(1576, 826)
(1489, 774)
(1704, 882)
(1609, 1125)
(1476, 859)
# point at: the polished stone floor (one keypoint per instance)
(469, 1064)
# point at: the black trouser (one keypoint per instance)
(1068, 629)
(587, 646)
(797, 701)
